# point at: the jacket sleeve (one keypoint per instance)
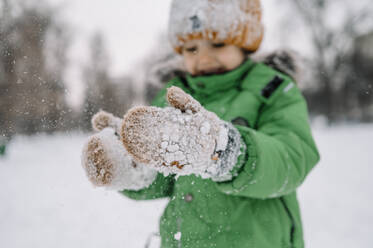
(280, 149)
(162, 186)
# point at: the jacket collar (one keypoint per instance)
(210, 84)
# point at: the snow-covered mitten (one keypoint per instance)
(182, 139)
(106, 161)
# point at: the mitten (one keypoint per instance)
(107, 163)
(182, 139)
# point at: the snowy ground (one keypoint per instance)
(46, 201)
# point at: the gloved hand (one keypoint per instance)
(107, 163)
(182, 139)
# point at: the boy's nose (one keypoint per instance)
(206, 63)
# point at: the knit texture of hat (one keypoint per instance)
(235, 22)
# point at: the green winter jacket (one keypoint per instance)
(258, 208)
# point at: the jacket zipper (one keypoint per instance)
(292, 230)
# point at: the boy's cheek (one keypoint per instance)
(231, 57)
(189, 64)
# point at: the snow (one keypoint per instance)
(205, 128)
(47, 201)
(177, 236)
(337, 197)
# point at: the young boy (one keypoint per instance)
(230, 150)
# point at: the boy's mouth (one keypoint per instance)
(215, 71)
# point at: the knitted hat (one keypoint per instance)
(235, 22)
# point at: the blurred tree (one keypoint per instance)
(358, 88)
(32, 92)
(101, 90)
(333, 27)
(159, 67)
(96, 79)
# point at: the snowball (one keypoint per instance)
(177, 236)
(164, 145)
(173, 148)
(205, 128)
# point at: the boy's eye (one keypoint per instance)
(218, 45)
(191, 49)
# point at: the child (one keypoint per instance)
(230, 150)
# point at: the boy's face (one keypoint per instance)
(204, 57)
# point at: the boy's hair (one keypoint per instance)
(235, 22)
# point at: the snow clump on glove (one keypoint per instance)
(182, 139)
